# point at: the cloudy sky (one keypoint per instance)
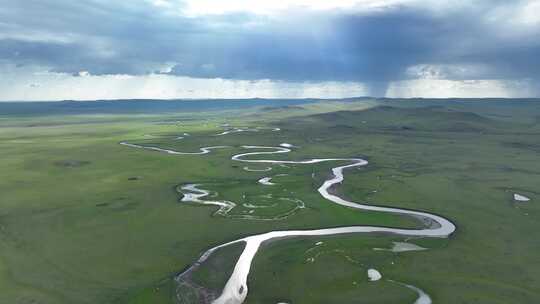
(102, 49)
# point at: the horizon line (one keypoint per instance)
(263, 98)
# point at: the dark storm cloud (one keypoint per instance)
(373, 47)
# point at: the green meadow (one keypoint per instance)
(84, 219)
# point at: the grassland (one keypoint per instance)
(85, 220)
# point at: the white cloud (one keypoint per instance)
(268, 7)
(36, 84)
(447, 71)
(530, 13)
(20, 85)
(440, 88)
(167, 67)
(516, 13)
(162, 3)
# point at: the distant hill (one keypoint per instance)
(399, 119)
(137, 106)
(148, 106)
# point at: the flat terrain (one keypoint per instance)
(86, 220)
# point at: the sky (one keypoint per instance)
(165, 49)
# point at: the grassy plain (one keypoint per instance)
(85, 220)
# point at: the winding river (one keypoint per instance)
(236, 288)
